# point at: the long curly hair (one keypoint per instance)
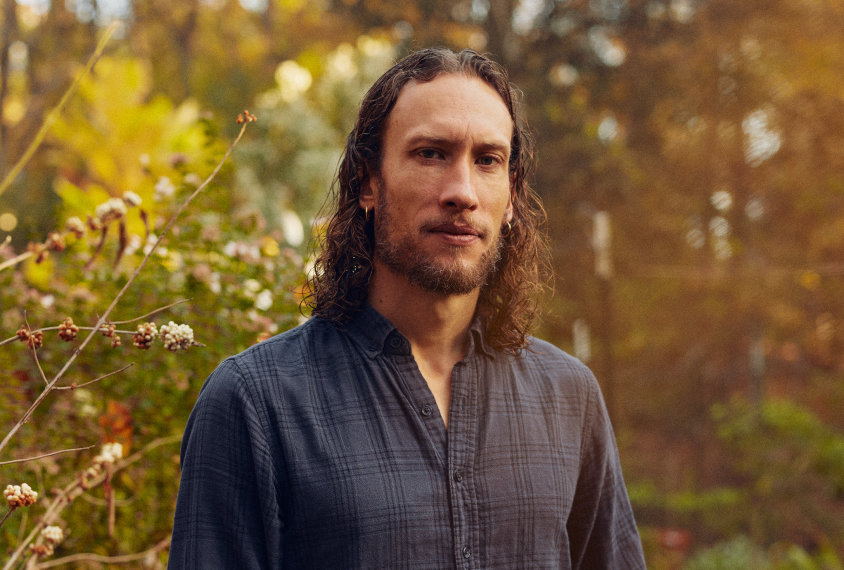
(343, 269)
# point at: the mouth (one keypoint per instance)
(456, 233)
(455, 229)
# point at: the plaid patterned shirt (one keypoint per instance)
(324, 448)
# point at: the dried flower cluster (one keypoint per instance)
(75, 226)
(145, 335)
(32, 339)
(20, 495)
(131, 199)
(110, 453)
(163, 189)
(51, 535)
(55, 242)
(110, 210)
(23, 334)
(38, 250)
(176, 337)
(94, 224)
(246, 117)
(68, 330)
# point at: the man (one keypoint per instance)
(411, 422)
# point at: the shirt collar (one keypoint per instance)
(375, 334)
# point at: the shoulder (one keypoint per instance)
(285, 355)
(544, 357)
(544, 368)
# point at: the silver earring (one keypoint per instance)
(509, 229)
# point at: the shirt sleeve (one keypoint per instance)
(601, 528)
(227, 512)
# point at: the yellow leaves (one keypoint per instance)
(270, 247)
(39, 275)
(117, 139)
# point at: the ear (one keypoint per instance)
(366, 198)
(508, 211)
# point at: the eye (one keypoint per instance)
(487, 160)
(430, 153)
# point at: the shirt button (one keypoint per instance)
(467, 552)
(427, 410)
(458, 476)
(395, 342)
(372, 348)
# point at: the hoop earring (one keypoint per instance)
(509, 229)
(366, 214)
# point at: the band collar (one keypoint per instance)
(375, 334)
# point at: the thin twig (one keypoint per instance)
(113, 304)
(54, 113)
(74, 489)
(11, 510)
(15, 260)
(152, 312)
(75, 386)
(105, 559)
(160, 309)
(45, 455)
(34, 349)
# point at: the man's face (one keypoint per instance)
(444, 189)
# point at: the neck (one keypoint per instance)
(436, 325)
(430, 321)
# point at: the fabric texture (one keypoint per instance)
(323, 448)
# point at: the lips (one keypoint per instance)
(455, 233)
(455, 229)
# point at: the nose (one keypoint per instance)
(459, 192)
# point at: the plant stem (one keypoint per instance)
(131, 280)
(11, 510)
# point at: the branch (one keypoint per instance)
(54, 113)
(128, 284)
(45, 455)
(34, 349)
(10, 511)
(152, 312)
(75, 386)
(105, 559)
(15, 260)
(74, 489)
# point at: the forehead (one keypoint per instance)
(453, 107)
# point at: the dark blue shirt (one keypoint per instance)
(323, 448)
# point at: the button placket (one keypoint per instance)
(461, 452)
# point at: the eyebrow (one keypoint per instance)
(422, 138)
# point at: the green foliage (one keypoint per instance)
(286, 170)
(794, 467)
(240, 283)
(639, 108)
(742, 554)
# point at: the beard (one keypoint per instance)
(405, 257)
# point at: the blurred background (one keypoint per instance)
(690, 157)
